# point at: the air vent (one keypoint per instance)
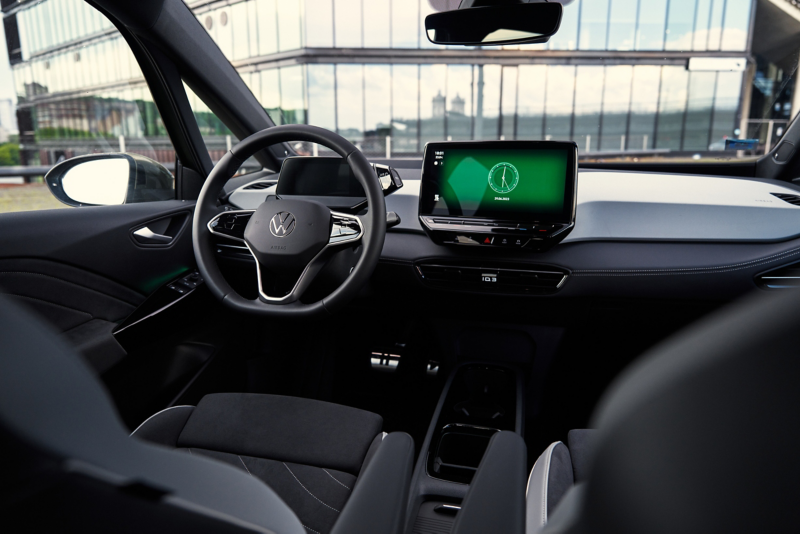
(533, 280)
(261, 185)
(791, 199)
(786, 277)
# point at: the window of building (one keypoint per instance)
(622, 24)
(319, 23)
(652, 20)
(460, 102)
(616, 105)
(594, 25)
(405, 108)
(671, 107)
(349, 24)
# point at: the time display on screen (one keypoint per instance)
(503, 178)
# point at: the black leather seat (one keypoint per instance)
(250, 463)
(699, 436)
(308, 452)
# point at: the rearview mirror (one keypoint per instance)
(495, 25)
(109, 179)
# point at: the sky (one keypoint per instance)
(6, 80)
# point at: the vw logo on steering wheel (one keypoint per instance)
(282, 224)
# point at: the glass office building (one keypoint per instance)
(637, 77)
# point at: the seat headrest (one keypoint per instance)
(702, 434)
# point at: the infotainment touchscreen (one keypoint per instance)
(500, 180)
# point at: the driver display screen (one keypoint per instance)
(516, 180)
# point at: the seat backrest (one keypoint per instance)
(702, 435)
(69, 465)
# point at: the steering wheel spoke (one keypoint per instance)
(285, 288)
(275, 288)
(230, 224)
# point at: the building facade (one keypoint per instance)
(658, 77)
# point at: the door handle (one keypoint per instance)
(145, 235)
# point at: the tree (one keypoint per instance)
(9, 154)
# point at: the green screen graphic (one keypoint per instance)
(495, 182)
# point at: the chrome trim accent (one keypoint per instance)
(211, 229)
(449, 507)
(561, 283)
(146, 233)
(345, 216)
(292, 295)
(566, 227)
(237, 247)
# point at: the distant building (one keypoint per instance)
(439, 102)
(8, 118)
(457, 105)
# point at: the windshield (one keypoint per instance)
(630, 80)
(624, 79)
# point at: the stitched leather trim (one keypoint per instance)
(334, 478)
(307, 490)
(547, 461)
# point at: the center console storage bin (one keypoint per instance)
(481, 401)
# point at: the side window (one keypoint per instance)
(77, 90)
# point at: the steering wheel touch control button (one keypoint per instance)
(230, 224)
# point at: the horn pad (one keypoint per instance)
(285, 235)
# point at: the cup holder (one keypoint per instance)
(460, 450)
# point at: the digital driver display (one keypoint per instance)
(522, 181)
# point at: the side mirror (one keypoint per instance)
(495, 25)
(110, 179)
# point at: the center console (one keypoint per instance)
(499, 194)
(479, 401)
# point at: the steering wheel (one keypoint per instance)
(289, 239)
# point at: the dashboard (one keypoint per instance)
(634, 235)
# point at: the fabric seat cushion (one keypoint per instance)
(309, 452)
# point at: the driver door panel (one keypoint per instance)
(83, 271)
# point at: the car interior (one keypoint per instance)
(350, 344)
